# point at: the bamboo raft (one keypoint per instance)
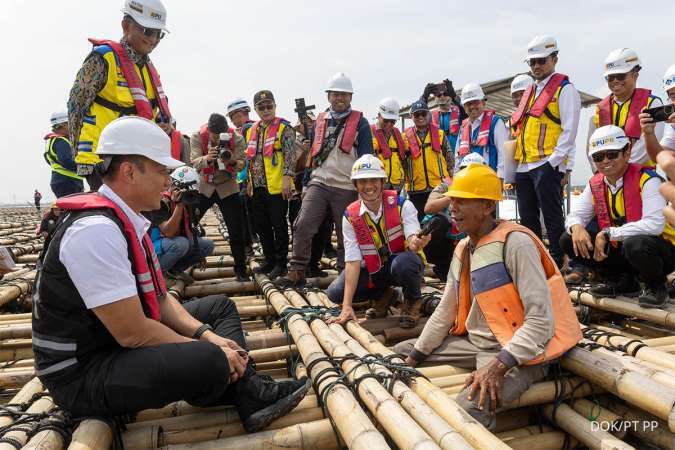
(616, 390)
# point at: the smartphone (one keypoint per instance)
(661, 113)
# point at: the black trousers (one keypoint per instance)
(230, 208)
(440, 249)
(419, 199)
(539, 189)
(124, 380)
(650, 257)
(269, 216)
(247, 213)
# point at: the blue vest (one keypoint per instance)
(491, 154)
(444, 124)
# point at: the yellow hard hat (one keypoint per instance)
(476, 181)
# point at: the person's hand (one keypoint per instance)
(417, 243)
(166, 127)
(449, 89)
(647, 123)
(212, 155)
(600, 243)
(565, 179)
(489, 380)
(176, 195)
(236, 362)
(581, 241)
(210, 336)
(428, 90)
(410, 361)
(286, 183)
(345, 316)
(671, 118)
(666, 160)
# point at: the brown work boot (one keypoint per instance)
(294, 278)
(380, 307)
(410, 313)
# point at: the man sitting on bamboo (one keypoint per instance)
(505, 310)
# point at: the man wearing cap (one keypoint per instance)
(218, 152)
(634, 238)
(649, 127)
(483, 132)
(118, 79)
(271, 166)
(388, 143)
(108, 338)
(428, 149)
(518, 86)
(59, 155)
(450, 113)
(505, 312)
(546, 124)
(341, 135)
(623, 105)
(381, 248)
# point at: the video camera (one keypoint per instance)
(224, 152)
(188, 192)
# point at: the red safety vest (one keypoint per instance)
(465, 143)
(150, 281)
(454, 119)
(348, 136)
(540, 104)
(207, 172)
(394, 230)
(136, 86)
(639, 100)
(414, 144)
(176, 144)
(383, 142)
(632, 197)
(268, 145)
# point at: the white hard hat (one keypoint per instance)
(621, 60)
(541, 46)
(471, 92)
(472, 158)
(237, 104)
(58, 118)
(389, 108)
(669, 79)
(147, 13)
(186, 174)
(609, 137)
(133, 135)
(521, 82)
(340, 83)
(368, 166)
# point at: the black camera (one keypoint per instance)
(661, 113)
(188, 195)
(224, 151)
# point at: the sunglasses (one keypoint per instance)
(537, 61)
(616, 77)
(265, 106)
(150, 32)
(420, 114)
(390, 121)
(611, 155)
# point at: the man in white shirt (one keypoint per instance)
(650, 128)
(382, 247)
(545, 123)
(108, 338)
(634, 238)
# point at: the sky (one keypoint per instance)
(218, 50)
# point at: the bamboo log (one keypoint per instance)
(312, 435)
(256, 310)
(567, 419)
(633, 387)
(91, 434)
(15, 378)
(30, 388)
(355, 428)
(551, 440)
(266, 339)
(546, 391)
(212, 272)
(46, 440)
(16, 274)
(658, 374)
(14, 317)
(657, 316)
(646, 427)
(660, 342)
(43, 404)
(27, 259)
(219, 261)
(16, 289)
(596, 413)
(273, 353)
(18, 331)
(530, 430)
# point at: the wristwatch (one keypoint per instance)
(201, 330)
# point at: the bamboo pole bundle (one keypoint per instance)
(15, 274)
(219, 261)
(30, 388)
(258, 340)
(273, 353)
(255, 311)
(18, 331)
(23, 317)
(530, 430)
(16, 289)
(626, 308)
(628, 384)
(46, 439)
(474, 433)
(212, 272)
(41, 405)
(645, 426)
(581, 429)
(660, 342)
(551, 440)
(91, 434)
(10, 379)
(546, 391)
(596, 413)
(655, 372)
(355, 428)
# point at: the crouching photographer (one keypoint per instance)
(175, 232)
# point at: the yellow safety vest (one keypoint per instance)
(115, 92)
(429, 169)
(537, 136)
(274, 165)
(52, 158)
(393, 166)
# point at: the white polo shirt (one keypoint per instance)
(95, 253)
(409, 222)
(668, 139)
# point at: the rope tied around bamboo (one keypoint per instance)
(595, 335)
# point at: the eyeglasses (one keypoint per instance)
(150, 32)
(537, 61)
(611, 155)
(616, 77)
(420, 114)
(264, 106)
(390, 121)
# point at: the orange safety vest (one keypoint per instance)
(639, 100)
(465, 143)
(498, 297)
(632, 196)
(383, 142)
(414, 142)
(348, 136)
(539, 106)
(268, 145)
(454, 119)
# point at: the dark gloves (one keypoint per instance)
(428, 90)
(449, 90)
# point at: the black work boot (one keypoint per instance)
(654, 297)
(265, 268)
(260, 400)
(626, 285)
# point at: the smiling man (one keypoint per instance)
(505, 311)
(118, 79)
(108, 338)
(388, 143)
(634, 238)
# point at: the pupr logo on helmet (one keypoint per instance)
(136, 6)
(156, 15)
(670, 81)
(606, 140)
(362, 166)
(610, 65)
